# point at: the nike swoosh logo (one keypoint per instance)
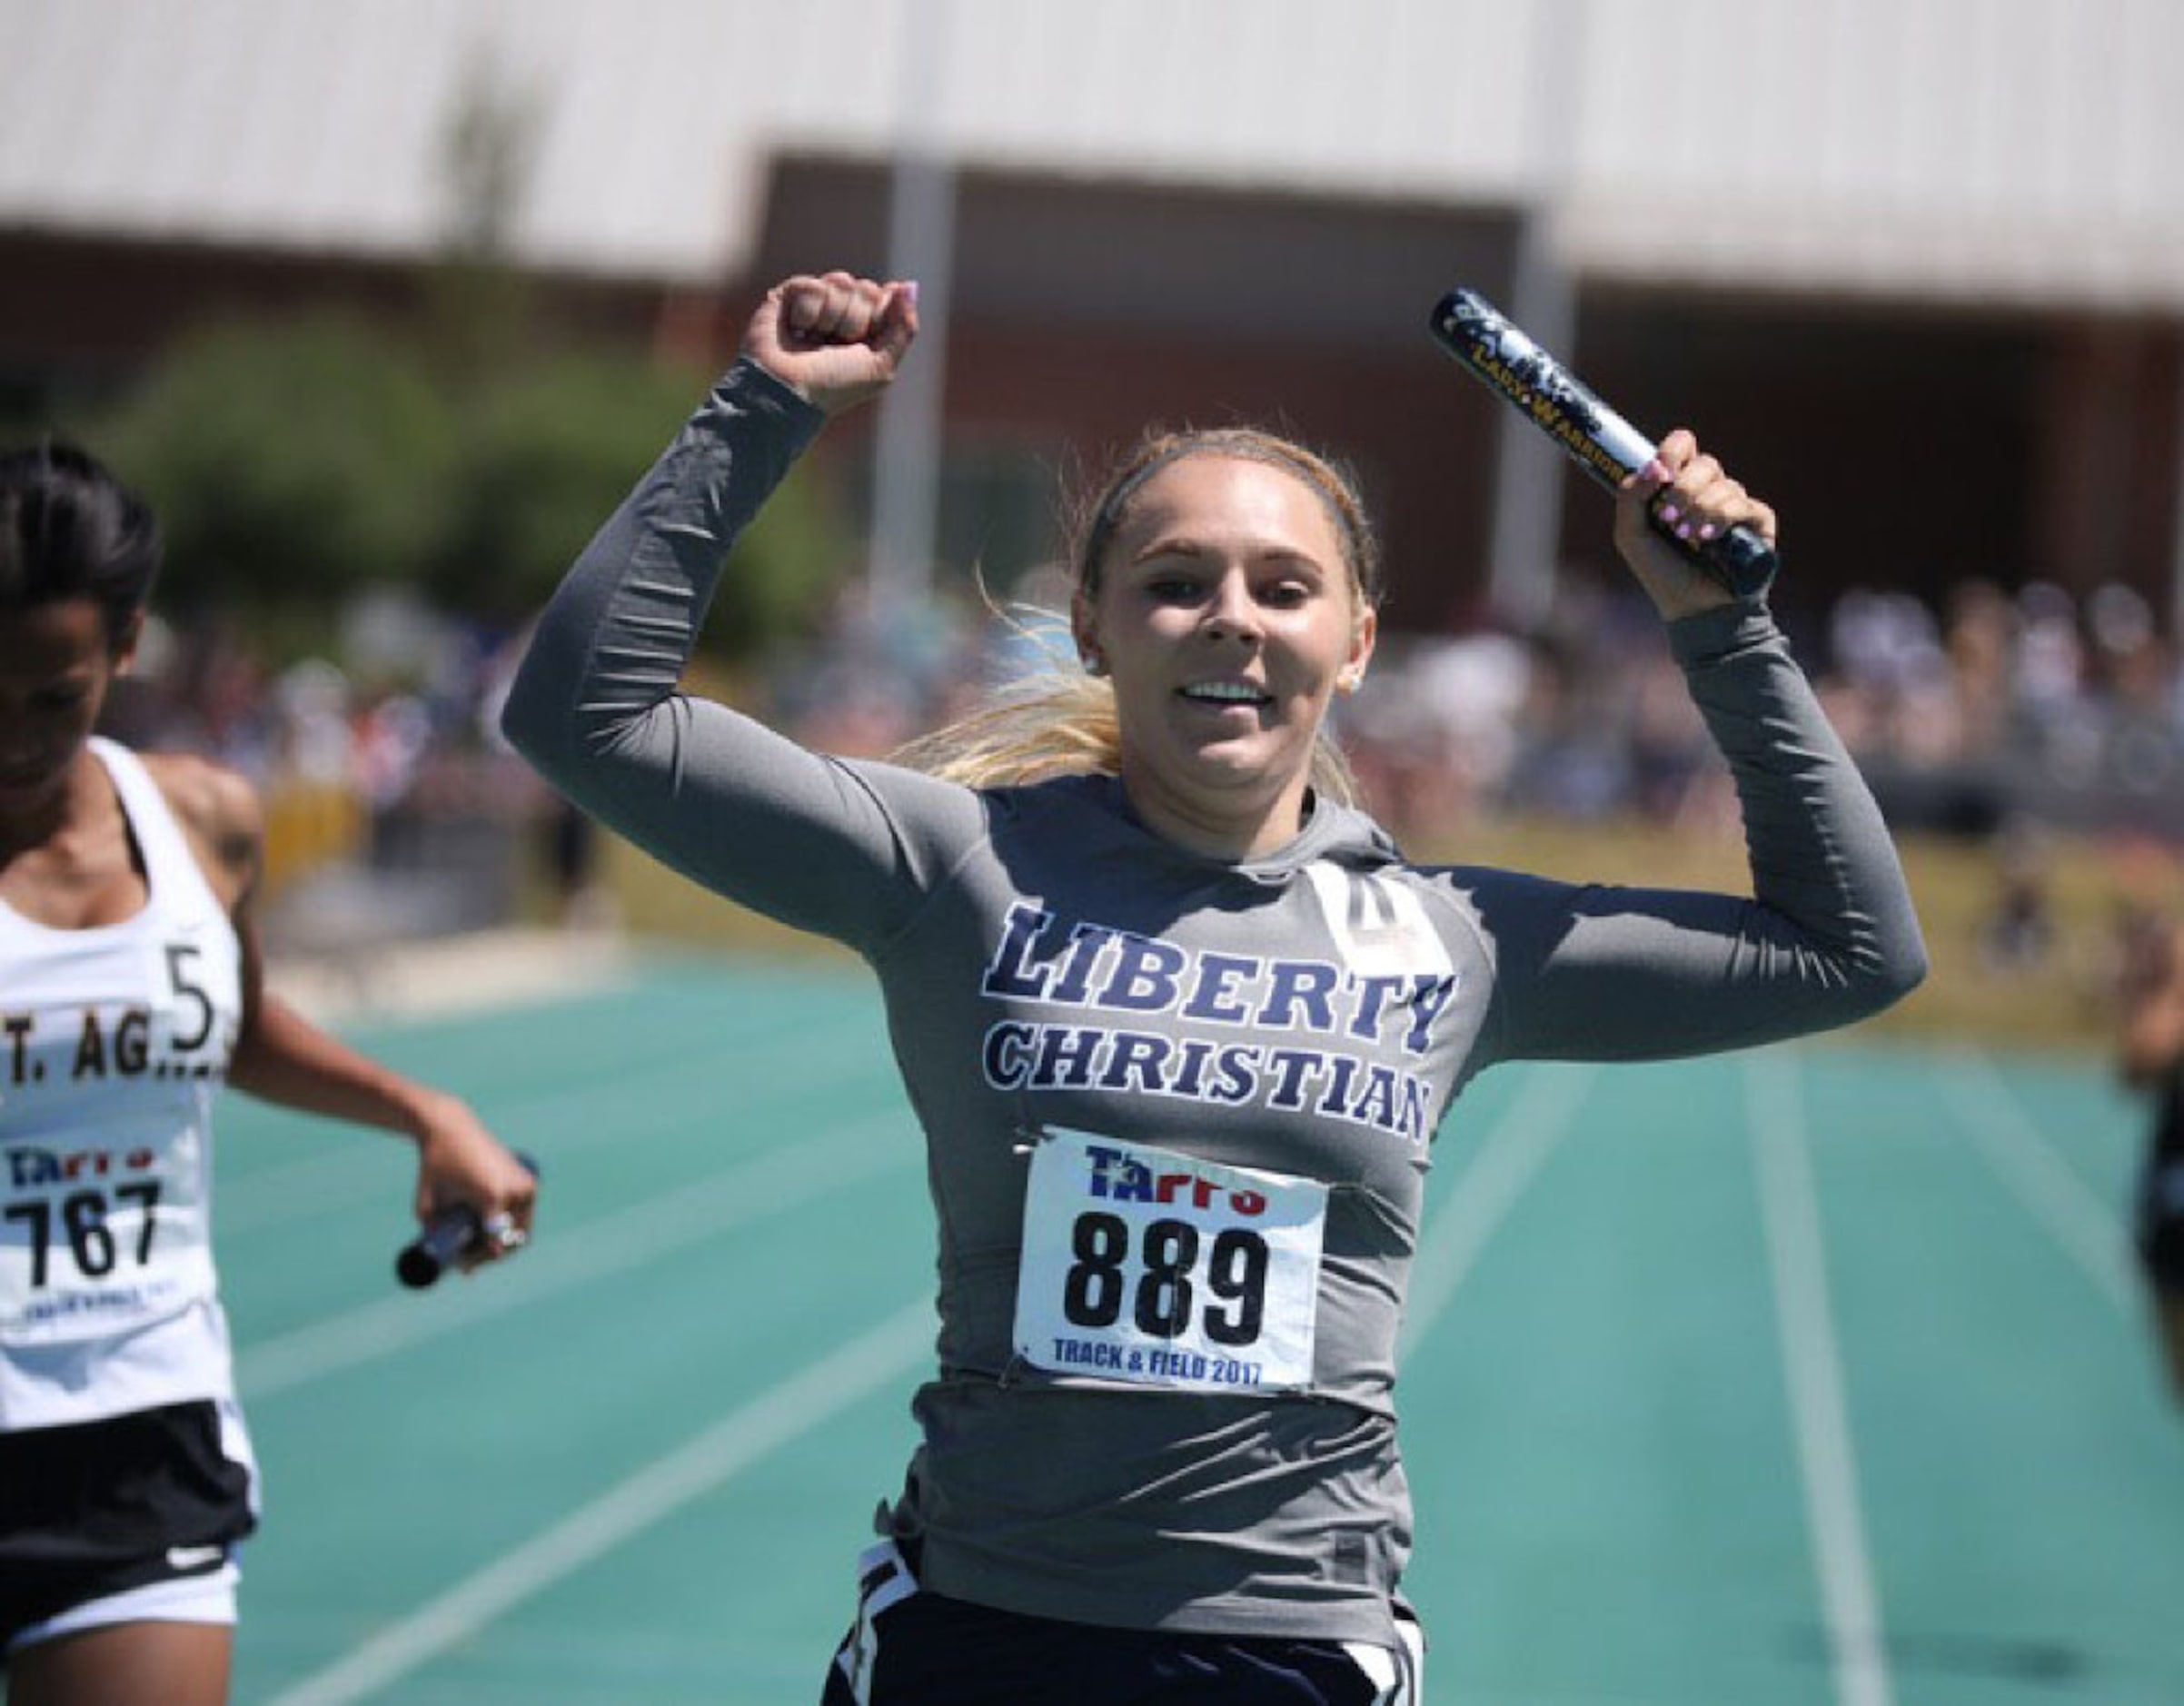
(195, 1557)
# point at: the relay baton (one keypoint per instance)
(1596, 438)
(445, 1240)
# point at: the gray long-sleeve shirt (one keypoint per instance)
(1178, 1109)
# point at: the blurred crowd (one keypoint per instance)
(393, 807)
(1999, 707)
(2005, 722)
(2033, 704)
(1999, 715)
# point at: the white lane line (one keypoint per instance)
(1812, 1368)
(358, 1172)
(1508, 1155)
(662, 1489)
(783, 1179)
(2056, 1198)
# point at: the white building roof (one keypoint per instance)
(2014, 150)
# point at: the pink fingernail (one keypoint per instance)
(909, 293)
(1669, 513)
(1709, 531)
(1684, 532)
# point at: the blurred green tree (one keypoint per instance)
(467, 452)
(290, 463)
(548, 452)
(293, 464)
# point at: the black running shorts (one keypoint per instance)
(98, 1508)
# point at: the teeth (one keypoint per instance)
(1233, 692)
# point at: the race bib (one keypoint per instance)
(1145, 1266)
(100, 1238)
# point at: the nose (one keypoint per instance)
(1231, 612)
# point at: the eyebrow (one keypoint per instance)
(1184, 545)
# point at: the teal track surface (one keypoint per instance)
(1814, 1376)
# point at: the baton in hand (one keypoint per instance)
(1601, 441)
(450, 1238)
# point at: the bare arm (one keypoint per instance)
(281, 1057)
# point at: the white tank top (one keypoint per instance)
(113, 1042)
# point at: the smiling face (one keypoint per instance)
(1226, 611)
